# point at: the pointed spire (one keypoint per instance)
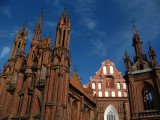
(126, 53)
(150, 48)
(49, 39)
(40, 19)
(134, 28)
(24, 26)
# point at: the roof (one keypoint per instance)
(75, 82)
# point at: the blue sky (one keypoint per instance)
(98, 27)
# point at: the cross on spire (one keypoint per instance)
(75, 67)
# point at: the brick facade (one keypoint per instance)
(38, 86)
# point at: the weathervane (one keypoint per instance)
(75, 67)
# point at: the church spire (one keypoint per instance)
(63, 32)
(37, 31)
(137, 43)
(134, 28)
(152, 56)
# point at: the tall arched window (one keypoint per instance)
(93, 85)
(113, 94)
(111, 70)
(118, 85)
(44, 73)
(119, 94)
(104, 70)
(100, 94)
(111, 113)
(147, 99)
(99, 85)
(15, 78)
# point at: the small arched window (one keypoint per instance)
(119, 94)
(93, 85)
(44, 73)
(124, 86)
(141, 66)
(104, 70)
(113, 94)
(100, 93)
(147, 99)
(118, 85)
(94, 93)
(15, 78)
(125, 94)
(106, 93)
(99, 85)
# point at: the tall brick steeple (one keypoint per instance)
(37, 31)
(60, 72)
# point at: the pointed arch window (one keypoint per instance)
(147, 98)
(44, 73)
(15, 78)
(111, 115)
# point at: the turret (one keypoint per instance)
(63, 32)
(37, 31)
(127, 62)
(152, 56)
(19, 42)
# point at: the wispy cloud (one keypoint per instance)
(85, 8)
(5, 52)
(50, 24)
(9, 33)
(5, 10)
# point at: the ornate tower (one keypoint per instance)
(60, 72)
(143, 79)
(19, 42)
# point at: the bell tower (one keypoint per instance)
(143, 78)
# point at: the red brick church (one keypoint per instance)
(38, 85)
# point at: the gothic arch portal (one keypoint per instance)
(111, 111)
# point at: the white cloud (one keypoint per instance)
(5, 10)
(5, 51)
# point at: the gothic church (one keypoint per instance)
(38, 86)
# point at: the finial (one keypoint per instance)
(25, 20)
(75, 67)
(42, 10)
(65, 4)
(149, 42)
(107, 56)
(50, 33)
(134, 28)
